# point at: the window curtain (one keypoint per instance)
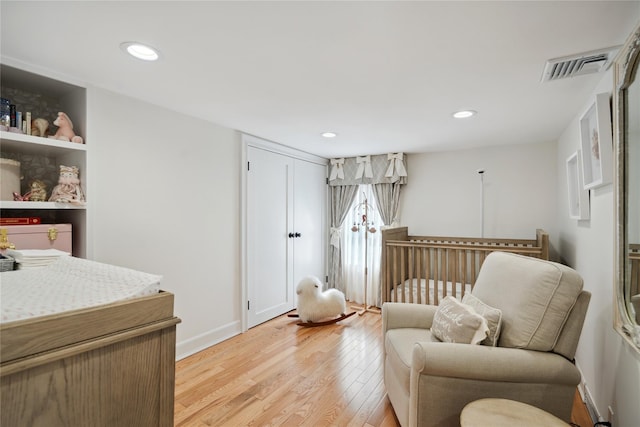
(345, 177)
(341, 199)
(388, 200)
(358, 253)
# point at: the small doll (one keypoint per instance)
(68, 189)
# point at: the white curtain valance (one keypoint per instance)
(381, 169)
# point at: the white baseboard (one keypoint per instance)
(587, 398)
(591, 406)
(200, 342)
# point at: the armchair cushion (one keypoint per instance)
(399, 344)
(535, 305)
(458, 323)
(493, 316)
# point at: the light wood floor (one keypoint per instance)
(281, 374)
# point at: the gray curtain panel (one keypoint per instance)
(341, 199)
(388, 200)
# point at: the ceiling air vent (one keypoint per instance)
(579, 64)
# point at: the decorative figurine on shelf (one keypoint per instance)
(68, 189)
(65, 129)
(40, 127)
(38, 193)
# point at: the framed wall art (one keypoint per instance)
(596, 143)
(578, 195)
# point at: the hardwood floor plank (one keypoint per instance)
(281, 374)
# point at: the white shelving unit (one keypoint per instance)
(53, 94)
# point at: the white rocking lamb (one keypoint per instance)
(314, 305)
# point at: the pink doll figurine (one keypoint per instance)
(65, 129)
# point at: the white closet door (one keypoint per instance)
(269, 213)
(310, 219)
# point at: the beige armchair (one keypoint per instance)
(542, 307)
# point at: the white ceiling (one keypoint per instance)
(385, 76)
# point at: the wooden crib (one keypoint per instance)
(425, 269)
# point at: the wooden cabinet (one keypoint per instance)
(40, 157)
(285, 227)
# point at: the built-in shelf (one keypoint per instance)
(7, 204)
(40, 158)
(29, 144)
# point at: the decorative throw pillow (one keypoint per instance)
(493, 316)
(458, 323)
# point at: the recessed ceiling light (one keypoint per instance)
(140, 51)
(464, 114)
(329, 134)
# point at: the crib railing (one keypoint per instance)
(424, 269)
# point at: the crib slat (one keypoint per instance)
(430, 272)
(401, 266)
(437, 261)
(419, 274)
(465, 270)
(395, 269)
(474, 269)
(455, 278)
(410, 265)
(399, 272)
(389, 269)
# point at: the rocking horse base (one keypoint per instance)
(364, 309)
(323, 323)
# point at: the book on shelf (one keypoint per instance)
(21, 221)
(28, 122)
(12, 115)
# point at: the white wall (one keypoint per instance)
(611, 370)
(164, 194)
(443, 193)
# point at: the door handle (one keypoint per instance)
(291, 235)
(298, 235)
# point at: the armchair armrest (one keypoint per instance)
(496, 364)
(403, 315)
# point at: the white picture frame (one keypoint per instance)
(578, 195)
(596, 143)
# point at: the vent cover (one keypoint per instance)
(580, 64)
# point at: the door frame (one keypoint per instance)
(254, 141)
